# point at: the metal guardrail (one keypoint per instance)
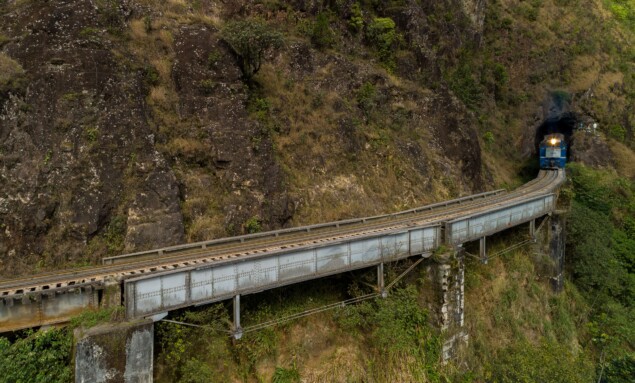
(301, 259)
(276, 233)
(201, 284)
(474, 226)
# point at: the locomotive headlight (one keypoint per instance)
(553, 141)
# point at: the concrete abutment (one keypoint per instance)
(115, 353)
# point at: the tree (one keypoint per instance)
(251, 40)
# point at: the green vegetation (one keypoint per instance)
(601, 253)
(89, 33)
(151, 75)
(465, 86)
(286, 375)
(91, 133)
(3, 40)
(548, 362)
(395, 329)
(356, 21)
(115, 234)
(207, 86)
(91, 318)
(383, 36)
(366, 98)
(322, 36)
(37, 357)
(251, 40)
(253, 225)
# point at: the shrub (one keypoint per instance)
(618, 132)
(464, 86)
(151, 75)
(382, 34)
(321, 35)
(253, 225)
(366, 96)
(250, 40)
(488, 137)
(356, 22)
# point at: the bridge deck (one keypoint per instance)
(463, 218)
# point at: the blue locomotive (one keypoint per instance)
(553, 152)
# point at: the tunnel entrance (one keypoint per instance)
(564, 123)
(558, 118)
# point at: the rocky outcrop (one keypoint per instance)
(591, 150)
(123, 129)
(76, 146)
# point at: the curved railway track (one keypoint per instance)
(255, 245)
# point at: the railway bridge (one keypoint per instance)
(149, 284)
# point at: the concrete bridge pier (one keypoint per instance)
(115, 353)
(447, 274)
(557, 249)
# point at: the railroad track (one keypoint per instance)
(220, 251)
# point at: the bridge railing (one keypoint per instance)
(472, 227)
(170, 290)
(150, 254)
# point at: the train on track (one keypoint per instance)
(553, 152)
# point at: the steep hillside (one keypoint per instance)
(127, 125)
(130, 125)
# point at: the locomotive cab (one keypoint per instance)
(553, 152)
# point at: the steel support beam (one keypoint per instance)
(532, 229)
(483, 250)
(380, 280)
(238, 330)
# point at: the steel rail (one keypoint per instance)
(232, 244)
(276, 234)
(76, 273)
(38, 283)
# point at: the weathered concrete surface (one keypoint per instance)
(44, 309)
(115, 353)
(447, 274)
(557, 250)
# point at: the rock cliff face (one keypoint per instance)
(127, 125)
(78, 150)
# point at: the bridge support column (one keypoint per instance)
(532, 229)
(238, 330)
(447, 300)
(482, 250)
(113, 353)
(557, 250)
(380, 280)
